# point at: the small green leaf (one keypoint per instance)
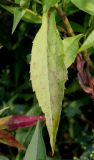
(48, 73)
(3, 110)
(17, 1)
(29, 15)
(18, 14)
(70, 47)
(77, 27)
(3, 158)
(36, 149)
(89, 42)
(85, 5)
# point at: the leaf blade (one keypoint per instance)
(48, 73)
(36, 148)
(89, 42)
(70, 46)
(18, 14)
(29, 15)
(85, 5)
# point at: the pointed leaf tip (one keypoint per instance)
(36, 148)
(18, 14)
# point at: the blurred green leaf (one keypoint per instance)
(17, 1)
(70, 47)
(29, 15)
(4, 109)
(85, 5)
(35, 110)
(77, 27)
(72, 109)
(88, 154)
(89, 42)
(36, 149)
(3, 158)
(24, 135)
(18, 14)
(24, 3)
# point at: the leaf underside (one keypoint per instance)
(48, 73)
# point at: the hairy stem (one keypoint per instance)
(67, 25)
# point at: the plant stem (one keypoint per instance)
(70, 32)
(67, 25)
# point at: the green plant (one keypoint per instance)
(61, 57)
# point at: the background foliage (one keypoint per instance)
(75, 137)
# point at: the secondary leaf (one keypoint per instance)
(89, 42)
(18, 14)
(85, 5)
(48, 73)
(29, 15)
(3, 158)
(70, 46)
(36, 149)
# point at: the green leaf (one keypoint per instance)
(72, 108)
(18, 14)
(36, 149)
(3, 110)
(49, 3)
(3, 158)
(29, 15)
(48, 73)
(24, 3)
(85, 5)
(17, 1)
(77, 27)
(70, 47)
(89, 42)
